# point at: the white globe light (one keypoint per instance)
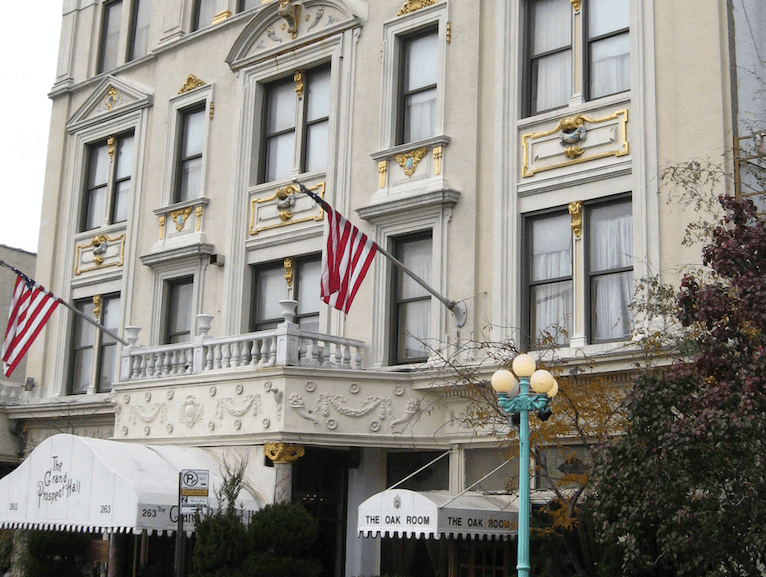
(503, 381)
(541, 381)
(554, 389)
(524, 365)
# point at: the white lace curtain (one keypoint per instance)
(611, 247)
(552, 259)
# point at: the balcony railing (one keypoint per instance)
(285, 346)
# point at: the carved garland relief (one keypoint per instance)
(332, 407)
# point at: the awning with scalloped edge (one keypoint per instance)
(403, 513)
(82, 484)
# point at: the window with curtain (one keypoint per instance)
(178, 310)
(270, 286)
(94, 353)
(140, 17)
(411, 302)
(608, 47)
(550, 278)
(417, 86)
(606, 273)
(188, 181)
(610, 263)
(601, 33)
(203, 14)
(110, 35)
(550, 51)
(295, 124)
(109, 180)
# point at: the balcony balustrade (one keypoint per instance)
(287, 345)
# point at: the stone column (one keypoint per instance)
(283, 455)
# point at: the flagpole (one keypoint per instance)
(458, 309)
(67, 305)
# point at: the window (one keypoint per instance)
(178, 310)
(750, 169)
(94, 353)
(271, 286)
(110, 35)
(204, 12)
(418, 79)
(189, 162)
(138, 45)
(107, 192)
(243, 5)
(550, 283)
(607, 270)
(610, 246)
(550, 25)
(608, 47)
(296, 125)
(601, 29)
(411, 310)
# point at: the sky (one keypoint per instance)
(29, 48)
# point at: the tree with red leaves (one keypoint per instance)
(683, 490)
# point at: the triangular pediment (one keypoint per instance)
(280, 26)
(111, 98)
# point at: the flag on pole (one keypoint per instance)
(345, 261)
(31, 307)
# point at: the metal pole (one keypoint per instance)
(522, 565)
(457, 309)
(445, 301)
(67, 305)
(91, 321)
(179, 535)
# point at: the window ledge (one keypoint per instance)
(443, 198)
(201, 201)
(198, 249)
(391, 152)
(619, 99)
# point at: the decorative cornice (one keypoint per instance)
(298, 78)
(191, 83)
(443, 198)
(220, 17)
(412, 5)
(409, 160)
(281, 453)
(575, 211)
(288, 264)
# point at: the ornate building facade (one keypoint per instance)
(506, 151)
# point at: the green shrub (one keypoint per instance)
(283, 529)
(57, 554)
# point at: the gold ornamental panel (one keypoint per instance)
(281, 208)
(101, 252)
(575, 140)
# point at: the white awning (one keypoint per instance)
(403, 513)
(81, 484)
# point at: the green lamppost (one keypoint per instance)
(514, 398)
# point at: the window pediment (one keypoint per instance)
(111, 98)
(285, 24)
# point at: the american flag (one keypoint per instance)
(31, 307)
(346, 260)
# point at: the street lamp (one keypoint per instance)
(514, 399)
